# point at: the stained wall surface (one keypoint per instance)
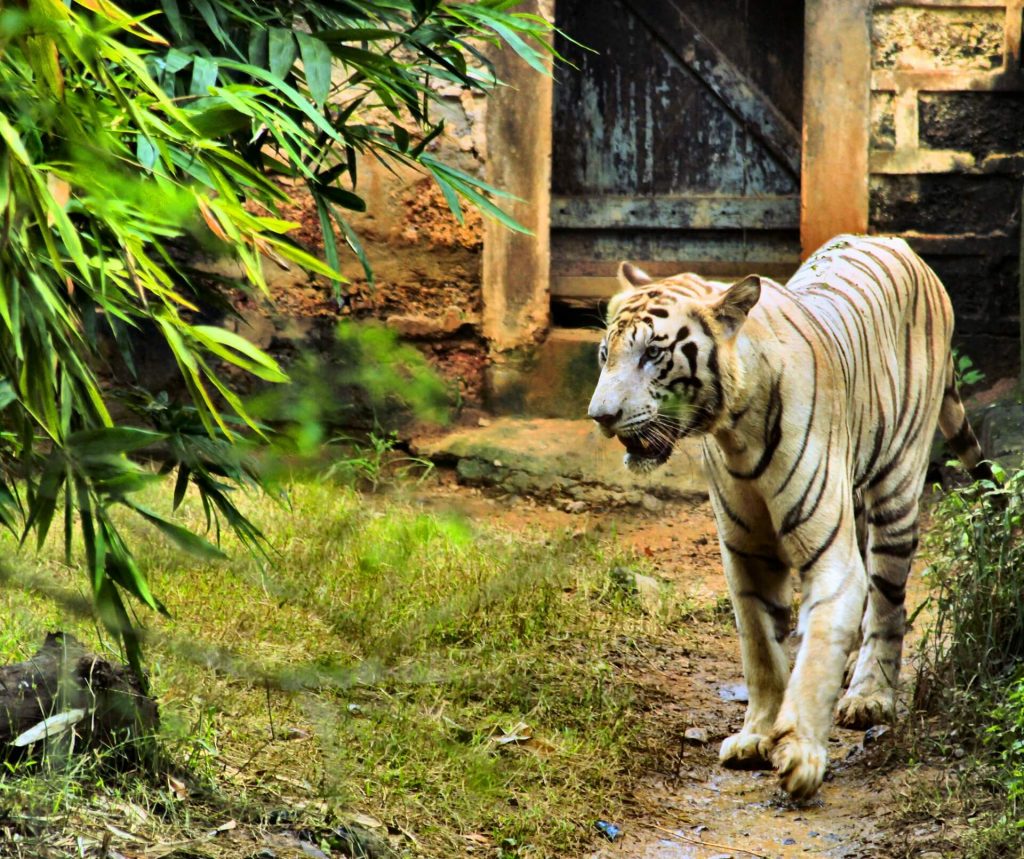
(947, 155)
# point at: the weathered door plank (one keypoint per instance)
(713, 68)
(681, 212)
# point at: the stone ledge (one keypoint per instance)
(1000, 429)
(566, 460)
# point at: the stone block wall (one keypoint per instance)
(947, 155)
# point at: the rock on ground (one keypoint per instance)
(563, 458)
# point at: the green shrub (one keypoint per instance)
(976, 553)
(1005, 738)
(970, 669)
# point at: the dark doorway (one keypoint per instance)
(676, 142)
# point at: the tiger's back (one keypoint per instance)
(874, 324)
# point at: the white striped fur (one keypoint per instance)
(817, 402)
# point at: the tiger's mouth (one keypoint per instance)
(647, 451)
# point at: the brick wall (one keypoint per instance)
(947, 155)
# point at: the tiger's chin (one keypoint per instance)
(643, 455)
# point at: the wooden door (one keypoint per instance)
(676, 140)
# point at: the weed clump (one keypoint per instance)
(971, 669)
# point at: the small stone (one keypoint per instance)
(651, 504)
(649, 591)
(875, 733)
(788, 841)
(576, 507)
(354, 840)
(608, 830)
(498, 463)
(696, 736)
(483, 422)
(734, 692)
(312, 850)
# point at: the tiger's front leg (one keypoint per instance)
(761, 595)
(832, 602)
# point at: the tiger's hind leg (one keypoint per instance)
(892, 517)
(860, 518)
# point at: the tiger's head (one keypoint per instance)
(668, 363)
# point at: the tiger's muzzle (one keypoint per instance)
(650, 446)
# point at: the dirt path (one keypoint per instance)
(689, 799)
(689, 806)
(684, 805)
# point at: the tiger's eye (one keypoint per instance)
(652, 352)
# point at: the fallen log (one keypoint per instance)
(64, 698)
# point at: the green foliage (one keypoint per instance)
(971, 655)
(1005, 737)
(367, 378)
(132, 140)
(966, 372)
(1000, 832)
(976, 555)
(304, 105)
(367, 464)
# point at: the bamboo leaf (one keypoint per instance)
(238, 350)
(181, 537)
(343, 198)
(111, 440)
(316, 63)
(283, 51)
(204, 75)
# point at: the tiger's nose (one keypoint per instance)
(606, 419)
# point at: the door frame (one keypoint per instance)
(834, 162)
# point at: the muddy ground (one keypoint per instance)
(684, 806)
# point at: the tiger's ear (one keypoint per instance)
(630, 276)
(732, 308)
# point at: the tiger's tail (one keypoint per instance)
(957, 431)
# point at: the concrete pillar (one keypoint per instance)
(836, 120)
(516, 297)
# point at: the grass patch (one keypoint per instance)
(449, 680)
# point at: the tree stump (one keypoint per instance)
(66, 698)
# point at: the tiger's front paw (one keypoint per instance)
(746, 751)
(862, 711)
(801, 763)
